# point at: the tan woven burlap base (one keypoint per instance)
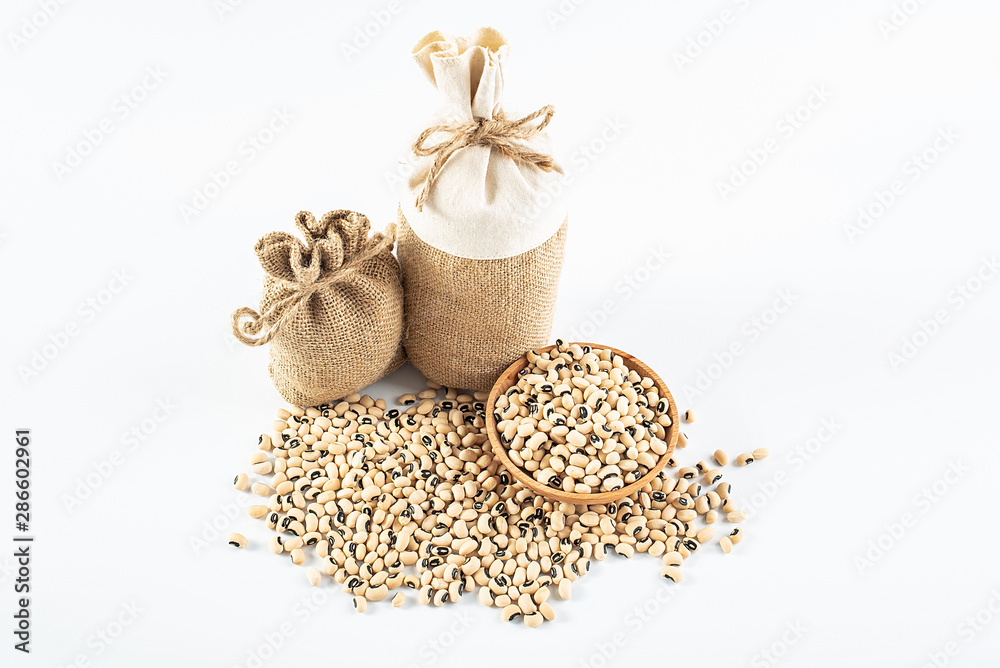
(468, 320)
(332, 308)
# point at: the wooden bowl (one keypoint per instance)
(509, 377)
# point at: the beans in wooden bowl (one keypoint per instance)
(581, 423)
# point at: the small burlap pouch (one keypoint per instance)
(332, 308)
(481, 228)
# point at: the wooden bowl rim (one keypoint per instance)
(522, 476)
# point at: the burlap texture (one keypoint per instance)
(468, 320)
(332, 308)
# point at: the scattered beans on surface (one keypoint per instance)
(383, 499)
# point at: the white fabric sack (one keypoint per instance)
(481, 257)
(483, 205)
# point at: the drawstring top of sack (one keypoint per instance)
(342, 236)
(498, 133)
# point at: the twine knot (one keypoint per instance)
(498, 132)
(248, 324)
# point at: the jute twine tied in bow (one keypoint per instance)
(247, 323)
(498, 132)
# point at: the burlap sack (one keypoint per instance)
(482, 228)
(332, 308)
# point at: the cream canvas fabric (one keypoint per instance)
(483, 205)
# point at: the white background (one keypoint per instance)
(649, 187)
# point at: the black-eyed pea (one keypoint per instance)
(744, 458)
(360, 603)
(646, 459)
(264, 442)
(377, 593)
(237, 540)
(510, 613)
(533, 620)
(760, 453)
(726, 544)
(625, 550)
(672, 559)
(241, 481)
(298, 556)
(314, 576)
(721, 457)
(736, 535)
(672, 573)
